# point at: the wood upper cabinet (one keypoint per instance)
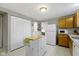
(76, 19)
(69, 22)
(66, 22)
(61, 22)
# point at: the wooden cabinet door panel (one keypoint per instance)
(61, 23)
(69, 22)
(66, 22)
(63, 41)
(76, 19)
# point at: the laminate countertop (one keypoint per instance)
(32, 38)
(75, 40)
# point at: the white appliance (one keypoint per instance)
(51, 34)
(62, 31)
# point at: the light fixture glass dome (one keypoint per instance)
(43, 9)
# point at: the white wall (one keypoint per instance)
(35, 27)
(5, 31)
(20, 29)
(0, 31)
(44, 26)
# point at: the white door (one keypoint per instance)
(0, 31)
(20, 29)
(51, 38)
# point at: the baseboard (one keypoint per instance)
(50, 44)
(16, 49)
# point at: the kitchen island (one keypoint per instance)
(35, 45)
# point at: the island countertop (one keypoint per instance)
(32, 38)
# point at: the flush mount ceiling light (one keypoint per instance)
(43, 9)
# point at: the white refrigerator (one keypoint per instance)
(51, 34)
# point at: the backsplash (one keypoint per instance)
(72, 30)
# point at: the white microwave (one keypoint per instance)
(63, 31)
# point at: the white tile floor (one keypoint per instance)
(51, 51)
(18, 52)
(57, 51)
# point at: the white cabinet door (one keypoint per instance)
(42, 46)
(29, 50)
(35, 45)
(43, 42)
(75, 50)
(36, 48)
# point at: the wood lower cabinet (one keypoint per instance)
(63, 40)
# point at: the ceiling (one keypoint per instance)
(54, 10)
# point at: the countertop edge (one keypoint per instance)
(75, 41)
